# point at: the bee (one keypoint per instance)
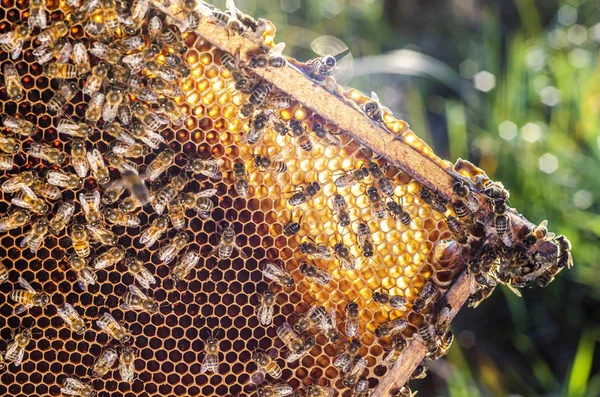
(398, 347)
(104, 362)
(106, 53)
(167, 193)
(315, 274)
(177, 214)
(61, 49)
(129, 151)
(430, 198)
(163, 72)
(28, 298)
(125, 114)
(276, 390)
(277, 102)
(127, 363)
(110, 257)
(266, 307)
(344, 360)
(172, 39)
(90, 203)
(444, 317)
(74, 387)
(292, 228)
(398, 213)
(319, 391)
(304, 194)
(155, 26)
(16, 182)
(14, 87)
(20, 127)
(12, 42)
(539, 232)
(8, 144)
(201, 202)
(139, 194)
(15, 351)
(405, 391)
(121, 164)
(26, 198)
(444, 344)
(148, 137)
(72, 318)
(114, 98)
(6, 162)
(383, 183)
(353, 374)
(365, 239)
(99, 170)
(456, 229)
(274, 165)
(64, 180)
(378, 210)
(61, 70)
(325, 320)
(340, 207)
(463, 214)
(94, 82)
(80, 238)
(36, 236)
(565, 258)
(211, 167)
(259, 94)
(46, 152)
(257, 129)
(135, 299)
(160, 164)
(54, 32)
(227, 245)
(170, 251)
(390, 327)
(109, 11)
(496, 191)
(315, 251)
(188, 261)
(272, 59)
(277, 274)
(373, 108)
(85, 274)
(73, 129)
(45, 190)
(136, 62)
(325, 137)
(154, 231)
(3, 275)
(298, 348)
(61, 218)
(210, 363)
(142, 275)
(162, 87)
(65, 93)
(427, 335)
(95, 106)
(425, 297)
(298, 131)
(114, 129)
(352, 319)
(171, 109)
(240, 179)
(115, 330)
(81, 58)
(361, 388)
(343, 254)
(101, 234)
(266, 364)
(113, 193)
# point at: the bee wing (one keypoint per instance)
(23, 283)
(258, 377)
(145, 278)
(17, 50)
(104, 322)
(65, 312)
(65, 53)
(374, 96)
(513, 289)
(328, 45)
(20, 356)
(332, 315)
(230, 5)
(21, 308)
(71, 386)
(26, 240)
(136, 291)
(207, 193)
(277, 50)
(7, 38)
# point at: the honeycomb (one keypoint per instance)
(220, 296)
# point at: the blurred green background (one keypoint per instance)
(513, 86)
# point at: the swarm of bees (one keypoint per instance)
(130, 71)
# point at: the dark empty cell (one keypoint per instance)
(191, 333)
(146, 354)
(208, 390)
(250, 288)
(150, 388)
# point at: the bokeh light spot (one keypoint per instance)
(531, 132)
(484, 81)
(507, 130)
(548, 163)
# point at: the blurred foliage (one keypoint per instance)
(514, 87)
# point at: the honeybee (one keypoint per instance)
(405, 391)
(99, 170)
(319, 391)
(227, 245)
(72, 319)
(65, 93)
(211, 167)
(378, 210)
(162, 87)
(444, 317)
(172, 39)
(266, 364)
(352, 319)
(361, 388)
(94, 82)
(258, 124)
(130, 151)
(115, 330)
(565, 258)
(114, 98)
(210, 363)
(142, 275)
(425, 297)
(383, 183)
(304, 194)
(114, 129)
(8, 144)
(298, 348)
(28, 298)
(85, 274)
(315, 251)
(258, 96)
(16, 182)
(456, 229)
(365, 239)
(356, 369)
(276, 390)
(121, 218)
(6, 162)
(61, 70)
(101, 234)
(266, 307)
(64, 180)
(46, 152)
(298, 131)
(170, 251)
(109, 257)
(427, 335)
(127, 363)
(240, 179)
(325, 320)
(71, 128)
(326, 137)
(315, 274)
(54, 32)
(160, 164)
(277, 102)
(149, 119)
(343, 254)
(496, 191)
(90, 203)
(61, 218)
(177, 214)
(15, 351)
(74, 387)
(3, 276)
(344, 360)
(14, 87)
(391, 327)
(398, 347)
(171, 109)
(395, 302)
(188, 261)
(154, 231)
(104, 362)
(26, 198)
(95, 106)
(167, 193)
(36, 236)
(272, 59)
(20, 127)
(373, 108)
(464, 214)
(112, 193)
(81, 58)
(135, 299)
(148, 137)
(277, 274)
(12, 42)
(398, 213)
(61, 49)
